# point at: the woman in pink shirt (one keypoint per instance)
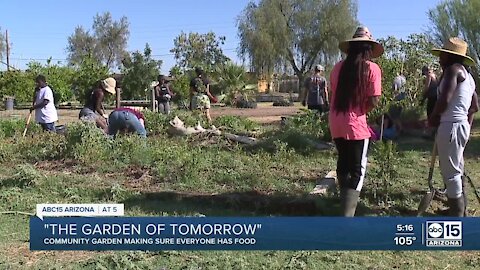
(356, 85)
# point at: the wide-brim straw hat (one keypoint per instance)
(455, 46)
(109, 85)
(362, 34)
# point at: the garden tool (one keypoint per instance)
(28, 123)
(475, 190)
(428, 197)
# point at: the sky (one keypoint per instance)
(39, 29)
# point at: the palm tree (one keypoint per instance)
(232, 78)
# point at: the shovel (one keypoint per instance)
(428, 197)
(28, 122)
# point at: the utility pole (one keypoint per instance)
(8, 51)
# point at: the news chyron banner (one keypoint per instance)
(103, 227)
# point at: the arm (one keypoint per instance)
(99, 96)
(473, 108)
(426, 86)
(372, 102)
(170, 92)
(450, 78)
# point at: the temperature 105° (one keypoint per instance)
(404, 240)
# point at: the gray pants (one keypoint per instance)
(164, 107)
(451, 141)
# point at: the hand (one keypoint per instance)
(31, 109)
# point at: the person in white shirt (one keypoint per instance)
(44, 105)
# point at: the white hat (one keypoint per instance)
(109, 85)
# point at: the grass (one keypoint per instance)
(165, 176)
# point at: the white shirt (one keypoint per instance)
(47, 114)
(457, 109)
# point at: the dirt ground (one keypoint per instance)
(265, 113)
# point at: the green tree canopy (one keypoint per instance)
(140, 71)
(460, 18)
(107, 41)
(199, 50)
(296, 34)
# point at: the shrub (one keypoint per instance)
(42, 146)
(86, 143)
(25, 176)
(236, 124)
(310, 123)
(384, 173)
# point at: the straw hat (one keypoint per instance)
(456, 46)
(319, 68)
(362, 34)
(109, 85)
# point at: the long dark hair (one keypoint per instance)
(353, 78)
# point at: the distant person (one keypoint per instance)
(316, 94)
(200, 94)
(398, 86)
(163, 95)
(93, 109)
(126, 120)
(453, 115)
(43, 105)
(356, 88)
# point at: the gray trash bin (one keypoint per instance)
(9, 103)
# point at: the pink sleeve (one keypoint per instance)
(375, 82)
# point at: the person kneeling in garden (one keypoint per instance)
(125, 120)
(200, 94)
(93, 110)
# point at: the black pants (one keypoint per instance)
(351, 163)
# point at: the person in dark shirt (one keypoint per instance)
(316, 97)
(163, 95)
(126, 120)
(93, 110)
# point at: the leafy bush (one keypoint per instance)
(19, 84)
(43, 146)
(25, 176)
(59, 78)
(236, 124)
(87, 73)
(310, 123)
(86, 143)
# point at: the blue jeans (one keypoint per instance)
(123, 121)
(48, 126)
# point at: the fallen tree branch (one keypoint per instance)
(241, 139)
(17, 213)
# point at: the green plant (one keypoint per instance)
(86, 143)
(42, 146)
(25, 176)
(235, 124)
(385, 171)
(310, 123)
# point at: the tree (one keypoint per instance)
(140, 71)
(457, 18)
(294, 34)
(88, 72)
(232, 79)
(199, 50)
(107, 42)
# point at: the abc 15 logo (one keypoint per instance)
(445, 230)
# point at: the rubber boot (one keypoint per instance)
(457, 207)
(348, 201)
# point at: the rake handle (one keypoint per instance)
(432, 165)
(28, 122)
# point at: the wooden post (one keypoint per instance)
(154, 107)
(8, 50)
(118, 97)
